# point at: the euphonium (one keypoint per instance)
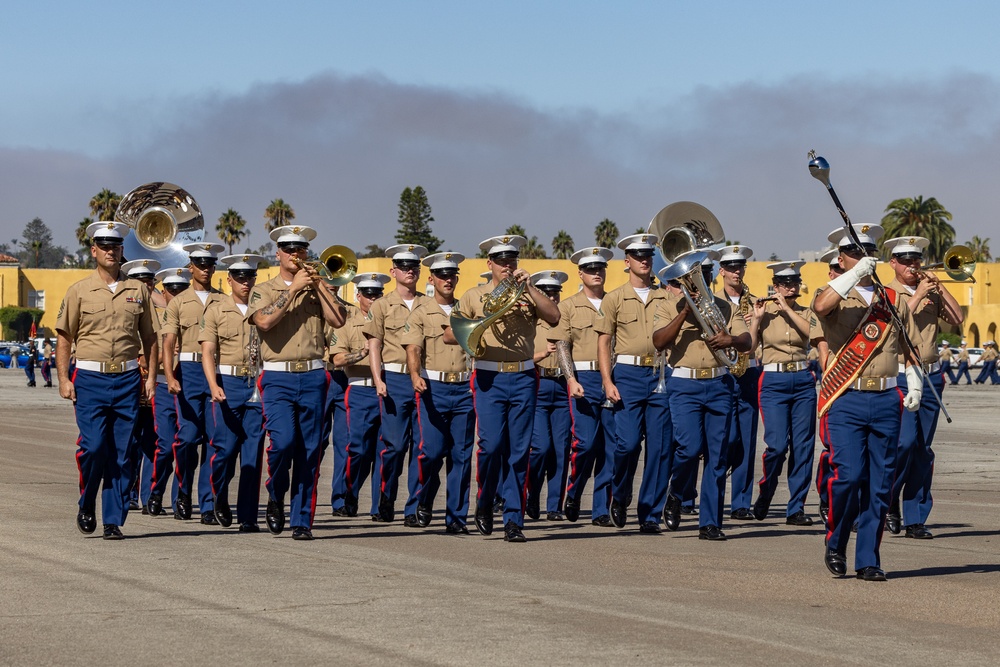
(743, 358)
(469, 333)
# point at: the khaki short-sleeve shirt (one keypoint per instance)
(299, 335)
(577, 317)
(543, 334)
(689, 349)
(107, 326)
(780, 340)
(351, 338)
(925, 316)
(512, 337)
(425, 328)
(629, 320)
(386, 321)
(184, 314)
(229, 329)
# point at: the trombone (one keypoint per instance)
(337, 265)
(959, 263)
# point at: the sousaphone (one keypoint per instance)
(163, 218)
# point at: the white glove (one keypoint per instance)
(915, 388)
(845, 282)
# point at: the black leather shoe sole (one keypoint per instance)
(86, 522)
(301, 534)
(672, 513)
(456, 529)
(619, 514)
(155, 504)
(410, 521)
(835, 562)
(484, 521)
(512, 533)
(572, 509)
(249, 528)
(424, 516)
(112, 532)
(711, 533)
(742, 514)
(871, 573)
(894, 523)
(208, 519)
(918, 532)
(223, 512)
(275, 517)
(799, 519)
(650, 528)
(604, 521)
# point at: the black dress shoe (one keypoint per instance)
(836, 562)
(554, 516)
(86, 522)
(499, 505)
(456, 528)
(512, 533)
(208, 519)
(619, 513)
(533, 510)
(918, 532)
(275, 516)
(572, 509)
(604, 521)
(800, 518)
(824, 511)
(340, 511)
(144, 511)
(650, 528)
(112, 532)
(761, 507)
(386, 509)
(155, 504)
(133, 505)
(742, 514)
(672, 513)
(711, 533)
(301, 533)
(424, 515)
(410, 521)
(484, 520)
(249, 528)
(223, 512)
(893, 520)
(182, 507)
(689, 510)
(871, 573)
(350, 505)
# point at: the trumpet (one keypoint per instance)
(337, 265)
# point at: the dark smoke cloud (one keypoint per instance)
(340, 150)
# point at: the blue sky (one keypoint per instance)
(550, 115)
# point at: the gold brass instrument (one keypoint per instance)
(959, 263)
(163, 217)
(685, 229)
(743, 358)
(469, 332)
(337, 265)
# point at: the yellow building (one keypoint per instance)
(44, 288)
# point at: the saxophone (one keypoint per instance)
(743, 360)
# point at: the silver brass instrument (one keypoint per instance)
(337, 265)
(684, 229)
(745, 308)
(661, 384)
(163, 218)
(253, 349)
(469, 332)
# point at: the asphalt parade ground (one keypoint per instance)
(364, 593)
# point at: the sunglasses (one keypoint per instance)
(445, 275)
(406, 267)
(243, 277)
(371, 293)
(858, 251)
(593, 268)
(174, 288)
(733, 266)
(204, 262)
(108, 246)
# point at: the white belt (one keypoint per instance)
(236, 371)
(927, 368)
(361, 382)
(189, 356)
(873, 384)
(108, 367)
(294, 366)
(586, 366)
(786, 367)
(686, 373)
(504, 366)
(446, 376)
(394, 368)
(633, 360)
(161, 379)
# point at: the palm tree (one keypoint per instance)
(104, 204)
(606, 233)
(83, 254)
(980, 249)
(277, 214)
(532, 249)
(920, 217)
(230, 228)
(562, 245)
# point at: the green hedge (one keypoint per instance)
(16, 321)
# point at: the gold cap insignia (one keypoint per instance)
(552, 274)
(447, 255)
(409, 248)
(596, 251)
(111, 225)
(180, 272)
(913, 241)
(208, 247)
(736, 249)
(505, 239)
(295, 230)
(145, 262)
(865, 228)
(246, 258)
(374, 276)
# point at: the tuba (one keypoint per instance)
(163, 218)
(685, 229)
(469, 333)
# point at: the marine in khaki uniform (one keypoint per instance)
(503, 386)
(989, 360)
(929, 302)
(859, 401)
(349, 351)
(630, 371)
(551, 431)
(963, 364)
(702, 400)
(230, 356)
(440, 378)
(290, 312)
(832, 258)
(186, 380)
(592, 444)
(385, 323)
(787, 393)
(109, 319)
(335, 419)
(947, 357)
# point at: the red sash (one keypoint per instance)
(851, 360)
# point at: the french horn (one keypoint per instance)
(469, 332)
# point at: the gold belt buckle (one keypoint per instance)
(870, 384)
(112, 367)
(298, 366)
(509, 366)
(449, 377)
(646, 360)
(791, 366)
(703, 373)
(242, 371)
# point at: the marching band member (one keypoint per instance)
(963, 364)
(859, 402)
(928, 302)
(629, 375)
(989, 360)
(742, 439)
(593, 440)
(186, 380)
(387, 357)
(447, 420)
(702, 404)
(289, 311)
(550, 435)
(363, 419)
(787, 393)
(504, 386)
(832, 258)
(175, 281)
(228, 337)
(335, 419)
(109, 319)
(946, 358)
